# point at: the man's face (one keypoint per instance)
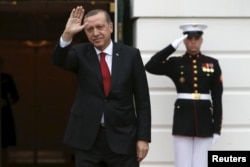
(193, 44)
(98, 30)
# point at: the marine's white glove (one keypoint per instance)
(178, 41)
(215, 137)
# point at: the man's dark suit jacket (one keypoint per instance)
(126, 108)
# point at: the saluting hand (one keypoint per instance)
(74, 24)
(178, 41)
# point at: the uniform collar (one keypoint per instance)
(187, 55)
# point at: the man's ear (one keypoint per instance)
(111, 27)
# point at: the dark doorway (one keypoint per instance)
(28, 33)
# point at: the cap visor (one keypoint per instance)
(195, 34)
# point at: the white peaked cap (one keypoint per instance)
(188, 27)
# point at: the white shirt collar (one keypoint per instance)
(108, 49)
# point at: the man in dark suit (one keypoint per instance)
(110, 121)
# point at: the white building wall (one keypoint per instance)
(227, 38)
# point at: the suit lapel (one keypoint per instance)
(116, 63)
(93, 60)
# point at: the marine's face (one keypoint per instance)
(98, 30)
(193, 44)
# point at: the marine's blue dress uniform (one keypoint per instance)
(198, 108)
(195, 78)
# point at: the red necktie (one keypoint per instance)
(106, 78)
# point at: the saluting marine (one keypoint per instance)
(198, 107)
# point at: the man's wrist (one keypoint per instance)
(64, 43)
